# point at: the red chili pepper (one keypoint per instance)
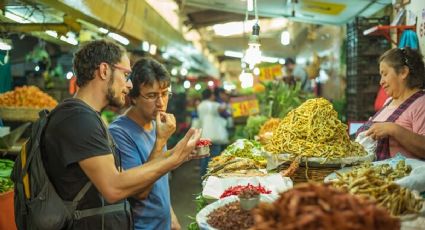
(235, 190)
(203, 143)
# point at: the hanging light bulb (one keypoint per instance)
(246, 78)
(253, 53)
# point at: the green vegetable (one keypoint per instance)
(279, 98)
(6, 167)
(253, 125)
(6, 184)
(245, 149)
(201, 202)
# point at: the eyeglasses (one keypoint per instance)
(155, 96)
(127, 72)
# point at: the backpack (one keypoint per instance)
(37, 204)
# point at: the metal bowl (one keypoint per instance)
(249, 203)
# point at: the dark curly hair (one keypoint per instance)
(146, 71)
(88, 58)
(397, 58)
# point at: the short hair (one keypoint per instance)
(146, 71)
(289, 61)
(206, 94)
(88, 58)
(397, 58)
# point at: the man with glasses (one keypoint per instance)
(137, 132)
(77, 148)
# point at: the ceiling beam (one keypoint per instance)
(60, 28)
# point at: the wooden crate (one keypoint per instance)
(20, 113)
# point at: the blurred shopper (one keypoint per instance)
(76, 147)
(213, 125)
(137, 135)
(222, 97)
(399, 126)
(299, 74)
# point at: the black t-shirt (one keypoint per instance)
(75, 132)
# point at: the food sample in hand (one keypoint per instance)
(203, 147)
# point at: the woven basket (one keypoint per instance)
(20, 113)
(309, 173)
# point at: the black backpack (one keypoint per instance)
(37, 204)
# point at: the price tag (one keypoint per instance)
(269, 73)
(244, 106)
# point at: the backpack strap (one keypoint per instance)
(79, 214)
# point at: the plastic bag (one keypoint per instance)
(368, 143)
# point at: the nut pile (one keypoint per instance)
(230, 217)
(317, 206)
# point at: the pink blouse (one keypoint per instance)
(413, 119)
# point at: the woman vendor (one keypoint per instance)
(399, 127)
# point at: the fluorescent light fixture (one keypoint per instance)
(285, 38)
(5, 46)
(145, 46)
(232, 28)
(282, 61)
(269, 59)
(16, 18)
(183, 72)
(52, 33)
(121, 39)
(69, 75)
(186, 84)
(69, 40)
(152, 49)
(103, 30)
(234, 54)
(210, 83)
(198, 87)
(250, 5)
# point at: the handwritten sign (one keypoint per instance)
(244, 106)
(269, 73)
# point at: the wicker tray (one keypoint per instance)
(20, 113)
(309, 172)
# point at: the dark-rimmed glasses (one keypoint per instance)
(155, 96)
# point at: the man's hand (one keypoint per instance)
(182, 151)
(381, 130)
(165, 125)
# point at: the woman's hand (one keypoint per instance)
(382, 130)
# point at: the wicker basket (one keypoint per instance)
(20, 113)
(309, 173)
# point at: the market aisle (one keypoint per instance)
(184, 184)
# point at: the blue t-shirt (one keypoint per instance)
(135, 145)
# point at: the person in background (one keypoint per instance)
(76, 145)
(223, 98)
(213, 125)
(299, 74)
(399, 126)
(137, 134)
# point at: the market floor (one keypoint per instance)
(184, 184)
